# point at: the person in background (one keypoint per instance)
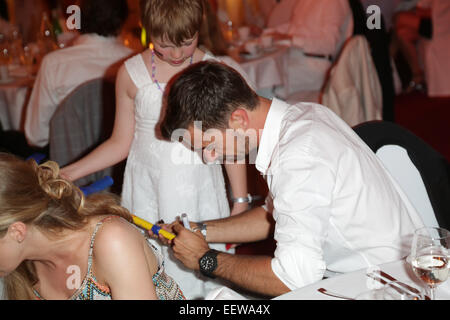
(332, 207)
(132, 29)
(48, 227)
(4, 14)
(315, 30)
(212, 40)
(211, 34)
(96, 53)
(411, 23)
(27, 16)
(163, 180)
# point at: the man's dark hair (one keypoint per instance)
(103, 17)
(208, 92)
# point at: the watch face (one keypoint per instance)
(208, 263)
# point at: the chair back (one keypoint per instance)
(379, 42)
(421, 172)
(352, 89)
(81, 122)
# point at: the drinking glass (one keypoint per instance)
(27, 59)
(396, 290)
(429, 256)
(5, 60)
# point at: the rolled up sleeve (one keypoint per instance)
(302, 190)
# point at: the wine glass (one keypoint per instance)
(429, 256)
(393, 290)
(396, 290)
(27, 59)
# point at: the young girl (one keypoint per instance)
(156, 185)
(55, 244)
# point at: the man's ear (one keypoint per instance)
(17, 232)
(239, 119)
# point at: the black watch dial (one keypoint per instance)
(208, 263)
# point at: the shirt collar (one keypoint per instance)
(93, 38)
(270, 136)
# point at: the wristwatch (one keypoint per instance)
(208, 263)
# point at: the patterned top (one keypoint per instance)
(90, 289)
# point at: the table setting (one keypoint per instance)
(420, 276)
(263, 60)
(18, 69)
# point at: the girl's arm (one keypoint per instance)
(237, 174)
(124, 262)
(117, 147)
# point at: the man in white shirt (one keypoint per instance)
(97, 53)
(315, 30)
(332, 206)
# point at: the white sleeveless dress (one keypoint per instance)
(158, 184)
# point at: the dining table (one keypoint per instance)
(14, 94)
(358, 284)
(266, 67)
(363, 284)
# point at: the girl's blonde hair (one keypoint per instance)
(39, 197)
(173, 20)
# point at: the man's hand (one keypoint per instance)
(188, 247)
(167, 227)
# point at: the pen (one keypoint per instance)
(185, 220)
(154, 228)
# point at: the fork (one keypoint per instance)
(333, 294)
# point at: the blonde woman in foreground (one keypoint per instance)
(56, 244)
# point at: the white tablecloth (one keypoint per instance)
(354, 283)
(267, 69)
(13, 100)
(350, 285)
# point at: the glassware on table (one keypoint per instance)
(393, 290)
(429, 257)
(5, 61)
(16, 46)
(46, 36)
(27, 59)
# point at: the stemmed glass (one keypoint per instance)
(430, 256)
(27, 59)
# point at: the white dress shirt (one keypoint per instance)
(336, 208)
(62, 71)
(317, 27)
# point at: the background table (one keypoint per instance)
(267, 69)
(14, 96)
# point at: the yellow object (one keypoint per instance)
(148, 226)
(144, 37)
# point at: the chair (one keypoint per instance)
(421, 172)
(379, 42)
(81, 122)
(353, 90)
